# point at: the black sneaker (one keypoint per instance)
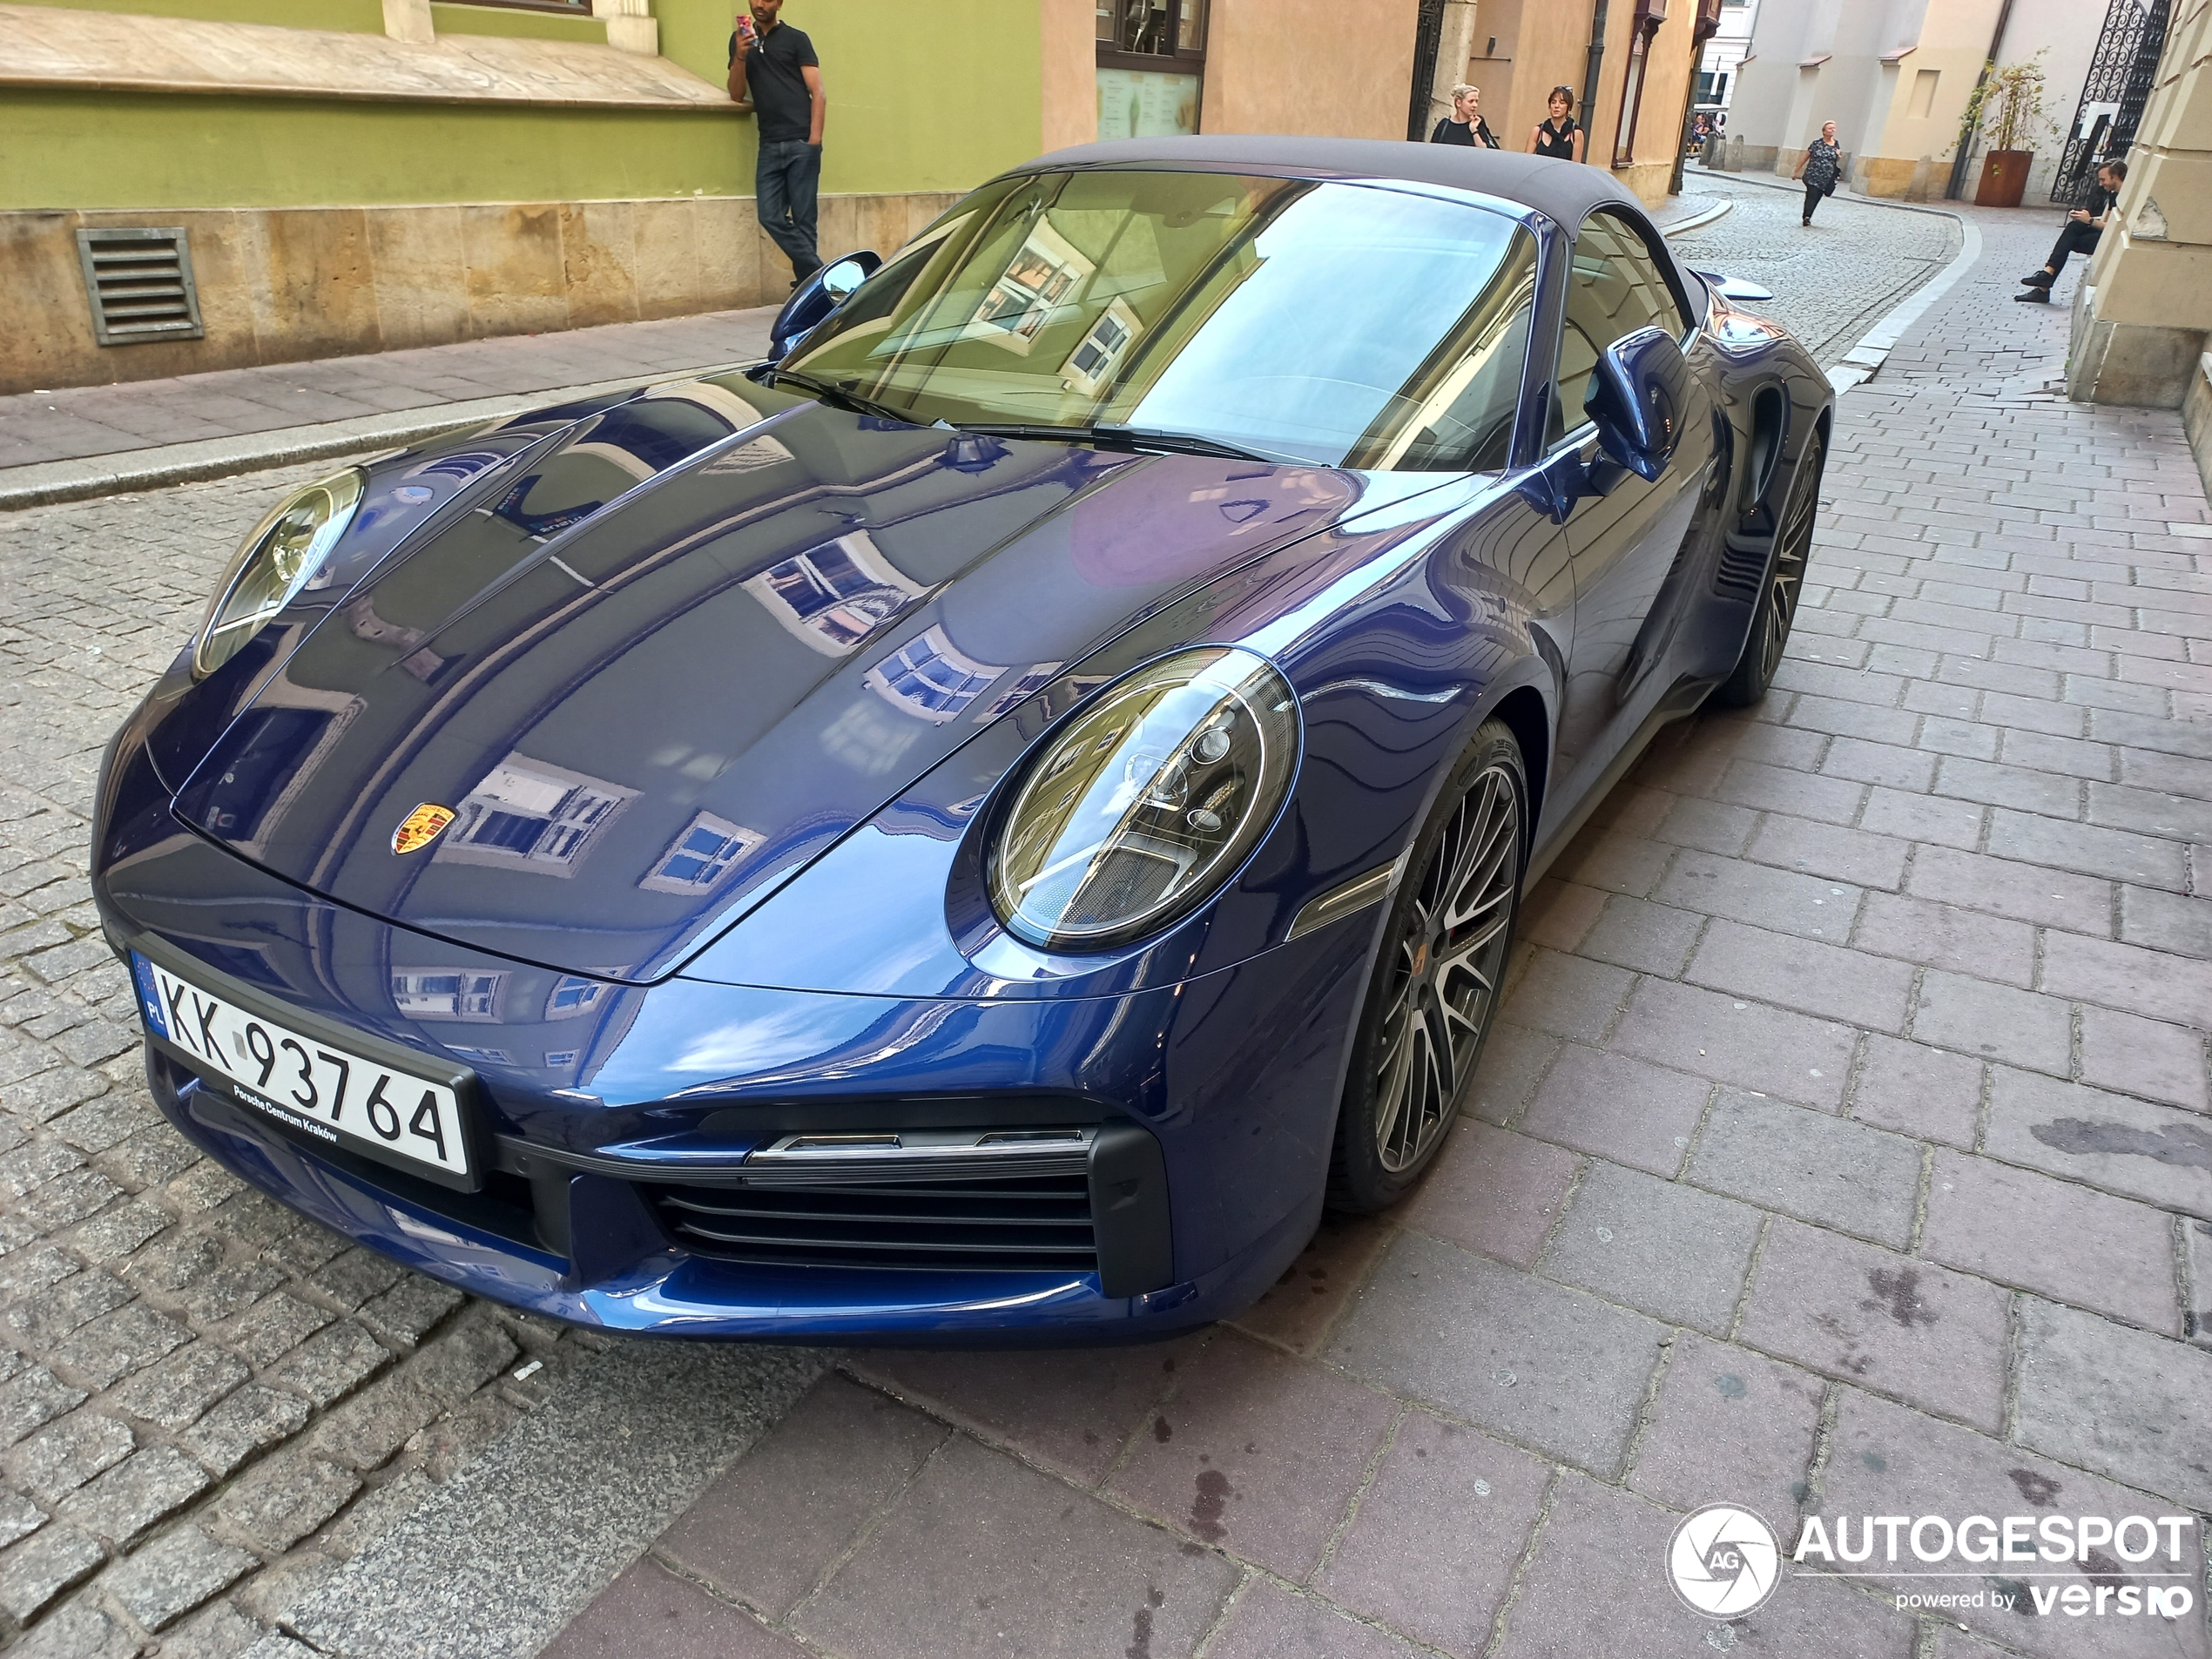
(2034, 297)
(2038, 280)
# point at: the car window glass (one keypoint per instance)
(1613, 287)
(1455, 413)
(1319, 322)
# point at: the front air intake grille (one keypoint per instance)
(139, 283)
(1005, 1203)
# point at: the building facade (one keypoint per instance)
(1630, 63)
(2143, 317)
(1724, 52)
(196, 184)
(1895, 76)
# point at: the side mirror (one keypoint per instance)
(816, 298)
(1730, 287)
(1638, 395)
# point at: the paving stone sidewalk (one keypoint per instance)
(77, 423)
(1843, 1151)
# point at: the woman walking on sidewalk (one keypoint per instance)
(1818, 167)
(1559, 136)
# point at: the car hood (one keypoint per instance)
(650, 690)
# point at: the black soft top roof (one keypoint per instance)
(1563, 191)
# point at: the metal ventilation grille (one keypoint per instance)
(1742, 566)
(1038, 1224)
(139, 282)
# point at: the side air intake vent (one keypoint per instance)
(139, 282)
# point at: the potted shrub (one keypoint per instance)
(2007, 107)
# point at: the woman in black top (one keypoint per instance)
(1465, 125)
(1559, 136)
(1818, 167)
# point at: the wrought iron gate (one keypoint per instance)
(2119, 83)
(1429, 40)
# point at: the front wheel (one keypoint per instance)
(1785, 577)
(1436, 981)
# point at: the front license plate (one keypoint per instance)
(324, 1089)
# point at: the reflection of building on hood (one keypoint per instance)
(531, 815)
(930, 677)
(834, 595)
(1147, 537)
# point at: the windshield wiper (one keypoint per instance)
(1129, 438)
(841, 397)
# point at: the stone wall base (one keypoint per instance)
(287, 285)
(2196, 416)
(2139, 365)
(1898, 179)
(1648, 180)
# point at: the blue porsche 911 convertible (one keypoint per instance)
(976, 829)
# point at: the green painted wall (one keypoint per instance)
(922, 96)
(109, 149)
(353, 17)
(935, 96)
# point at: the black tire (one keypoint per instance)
(1778, 593)
(1434, 990)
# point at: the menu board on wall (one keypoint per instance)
(1137, 104)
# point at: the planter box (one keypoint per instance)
(2004, 177)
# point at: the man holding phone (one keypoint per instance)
(774, 73)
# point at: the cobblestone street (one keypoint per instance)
(1831, 282)
(1844, 1149)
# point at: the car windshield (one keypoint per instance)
(1342, 324)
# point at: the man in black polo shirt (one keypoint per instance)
(774, 73)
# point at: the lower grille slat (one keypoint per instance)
(939, 1220)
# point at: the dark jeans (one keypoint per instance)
(1814, 196)
(784, 182)
(2076, 238)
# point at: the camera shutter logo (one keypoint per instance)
(1723, 1561)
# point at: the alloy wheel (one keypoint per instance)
(1793, 552)
(1447, 963)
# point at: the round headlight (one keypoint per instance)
(1145, 802)
(273, 564)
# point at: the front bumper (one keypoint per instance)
(665, 1292)
(1223, 1088)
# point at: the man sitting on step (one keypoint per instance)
(2083, 226)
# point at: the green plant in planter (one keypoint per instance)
(2008, 108)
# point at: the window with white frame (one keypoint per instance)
(528, 814)
(447, 993)
(573, 995)
(930, 677)
(700, 856)
(834, 595)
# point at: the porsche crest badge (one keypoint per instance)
(420, 827)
